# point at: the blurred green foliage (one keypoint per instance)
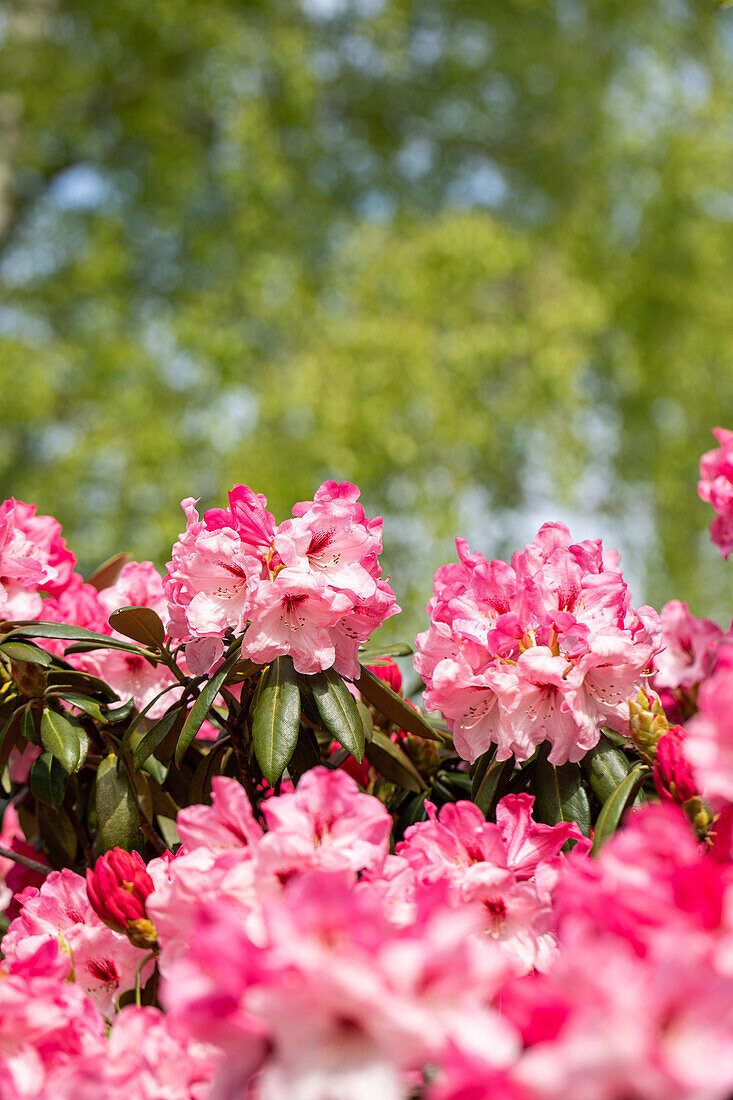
(473, 255)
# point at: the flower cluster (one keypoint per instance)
(545, 649)
(716, 487)
(309, 587)
(34, 560)
(302, 959)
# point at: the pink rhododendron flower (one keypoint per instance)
(33, 559)
(292, 615)
(547, 648)
(689, 648)
(142, 1060)
(716, 487)
(333, 988)
(139, 585)
(218, 562)
(511, 868)
(310, 588)
(227, 823)
(46, 1024)
(102, 962)
(709, 745)
(327, 823)
(331, 538)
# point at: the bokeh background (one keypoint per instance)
(475, 256)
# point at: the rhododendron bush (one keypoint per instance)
(238, 861)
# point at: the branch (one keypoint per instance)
(24, 861)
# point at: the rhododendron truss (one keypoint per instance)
(239, 863)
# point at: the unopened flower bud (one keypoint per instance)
(423, 754)
(117, 889)
(390, 673)
(647, 724)
(672, 772)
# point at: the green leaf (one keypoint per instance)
(206, 769)
(614, 807)
(64, 738)
(149, 743)
(560, 794)
(107, 573)
(118, 817)
(411, 810)
(9, 736)
(370, 654)
(478, 770)
(366, 719)
(491, 786)
(306, 754)
(28, 729)
(337, 708)
(605, 768)
(135, 723)
(142, 624)
(64, 631)
(23, 651)
(391, 762)
(72, 680)
(85, 704)
(203, 705)
(275, 718)
(393, 706)
(57, 833)
(48, 780)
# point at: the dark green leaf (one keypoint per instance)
(410, 811)
(72, 680)
(64, 738)
(156, 769)
(337, 708)
(149, 743)
(142, 624)
(479, 769)
(84, 703)
(28, 729)
(57, 833)
(48, 780)
(306, 754)
(560, 794)
(605, 768)
(118, 816)
(65, 631)
(23, 651)
(275, 718)
(373, 653)
(206, 769)
(120, 713)
(107, 573)
(366, 719)
(391, 762)
(203, 705)
(460, 782)
(131, 730)
(9, 736)
(393, 706)
(614, 807)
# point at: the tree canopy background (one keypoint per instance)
(474, 255)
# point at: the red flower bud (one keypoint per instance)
(672, 772)
(390, 673)
(117, 889)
